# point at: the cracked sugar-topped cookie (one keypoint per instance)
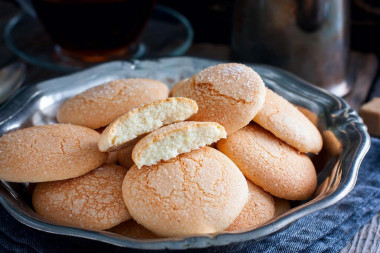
(259, 209)
(124, 157)
(132, 229)
(92, 201)
(49, 153)
(229, 94)
(194, 193)
(99, 106)
(270, 163)
(287, 123)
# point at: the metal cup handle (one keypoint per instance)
(27, 6)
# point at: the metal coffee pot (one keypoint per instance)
(306, 37)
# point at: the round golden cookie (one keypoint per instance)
(259, 209)
(287, 123)
(93, 201)
(48, 153)
(230, 94)
(332, 145)
(195, 193)
(99, 106)
(124, 157)
(177, 86)
(313, 117)
(112, 157)
(134, 230)
(270, 163)
(281, 206)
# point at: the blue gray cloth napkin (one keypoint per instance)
(328, 230)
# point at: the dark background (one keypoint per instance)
(212, 23)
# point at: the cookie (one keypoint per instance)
(287, 123)
(270, 163)
(332, 144)
(281, 206)
(177, 86)
(195, 193)
(48, 153)
(259, 209)
(230, 94)
(134, 230)
(313, 117)
(170, 141)
(112, 157)
(99, 106)
(93, 201)
(145, 119)
(124, 157)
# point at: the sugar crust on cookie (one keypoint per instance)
(48, 153)
(259, 209)
(286, 122)
(177, 86)
(92, 201)
(230, 94)
(270, 163)
(99, 106)
(194, 193)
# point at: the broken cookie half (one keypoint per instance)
(169, 141)
(144, 119)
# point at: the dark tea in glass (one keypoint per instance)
(94, 30)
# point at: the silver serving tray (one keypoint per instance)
(36, 105)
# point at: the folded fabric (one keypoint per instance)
(328, 230)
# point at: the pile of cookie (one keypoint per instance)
(222, 153)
